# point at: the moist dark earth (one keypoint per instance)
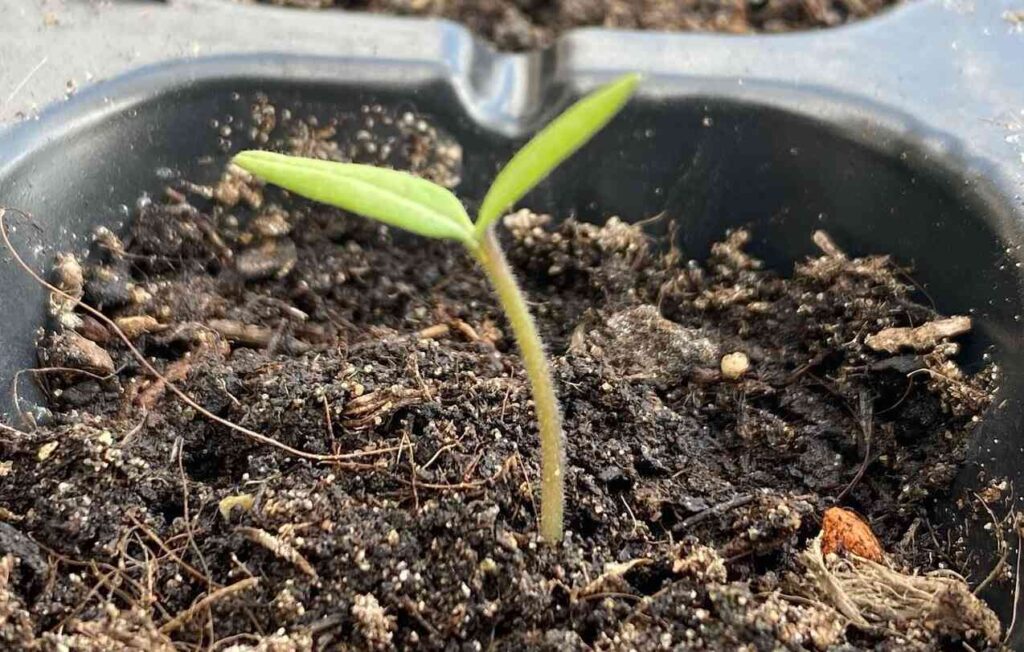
(530, 24)
(392, 500)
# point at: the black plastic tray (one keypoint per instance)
(896, 135)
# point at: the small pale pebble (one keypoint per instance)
(735, 365)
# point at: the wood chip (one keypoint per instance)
(370, 409)
(827, 245)
(93, 329)
(137, 325)
(467, 331)
(279, 548)
(434, 332)
(920, 338)
(253, 335)
(236, 331)
(843, 531)
(72, 350)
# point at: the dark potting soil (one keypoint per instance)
(693, 490)
(531, 24)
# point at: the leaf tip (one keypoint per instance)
(631, 80)
(622, 88)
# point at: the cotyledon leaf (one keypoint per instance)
(555, 143)
(389, 196)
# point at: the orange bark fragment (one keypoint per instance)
(842, 531)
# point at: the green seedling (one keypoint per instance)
(414, 204)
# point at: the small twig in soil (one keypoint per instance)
(105, 580)
(437, 455)
(1016, 591)
(223, 386)
(464, 486)
(148, 366)
(15, 394)
(611, 594)
(14, 431)
(206, 602)
(412, 471)
(467, 331)
(715, 510)
(504, 401)
(130, 435)
(155, 538)
(967, 389)
(275, 340)
(805, 367)
(807, 602)
(256, 336)
(150, 566)
(910, 386)
(414, 366)
(93, 592)
(176, 371)
(1004, 550)
(529, 481)
(187, 518)
(467, 473)
(279, 548)
(866, 423)
(233, 641)
(287, 309)
(102, 581)
(827, 245)
(433, 332)
(409, 607)
(919, 338)
(905, 272)
(944, 552)
(330, 425)
(636, 524)
(647, 601)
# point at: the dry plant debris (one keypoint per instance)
(919, 338)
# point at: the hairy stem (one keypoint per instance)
(531, 349)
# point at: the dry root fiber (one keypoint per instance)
(111, 628)
(872, 595)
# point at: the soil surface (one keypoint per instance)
(714, 413)
(531, 24)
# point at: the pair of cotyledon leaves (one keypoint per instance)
(409, 202)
